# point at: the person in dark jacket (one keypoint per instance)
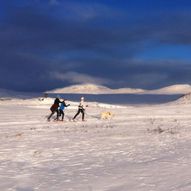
(54, 108)
(62, 107)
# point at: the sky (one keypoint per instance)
(48, 44)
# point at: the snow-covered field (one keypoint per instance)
(141, 148)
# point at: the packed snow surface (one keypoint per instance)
(140, 148)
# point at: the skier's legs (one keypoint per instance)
(58, 114)
(51, 115)
(62, 114)
(76, 114)
(83, 114)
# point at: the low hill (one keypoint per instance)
(174, 89)
(185, 99)
(94, 89)
(98, 89)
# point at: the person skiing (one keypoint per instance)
(81, 109)
(54, 108)
(62, 107)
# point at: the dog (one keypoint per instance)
(107, 115)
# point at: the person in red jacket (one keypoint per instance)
(54, 108)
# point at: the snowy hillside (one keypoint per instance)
(185, 99)
(174, 89)
(84, 88)
(97, 89)
(140, 148)
(94, 89)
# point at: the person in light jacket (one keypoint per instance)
(81, 109)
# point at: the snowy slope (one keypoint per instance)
(174, 89)
(185, 99)
(142, 148)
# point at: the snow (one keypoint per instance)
(174, 89)
(82, 88)
(142, 148)
(185, 99)
(98, 89)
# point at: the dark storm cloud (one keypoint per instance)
(30, 23)
(144, 74)
(36, 43)
(158, 74)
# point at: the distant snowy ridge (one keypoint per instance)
(185, 99)
(84, 88)
(174, 89)
(98, 89)
(94, 89)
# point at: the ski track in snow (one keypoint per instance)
(142, 148)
